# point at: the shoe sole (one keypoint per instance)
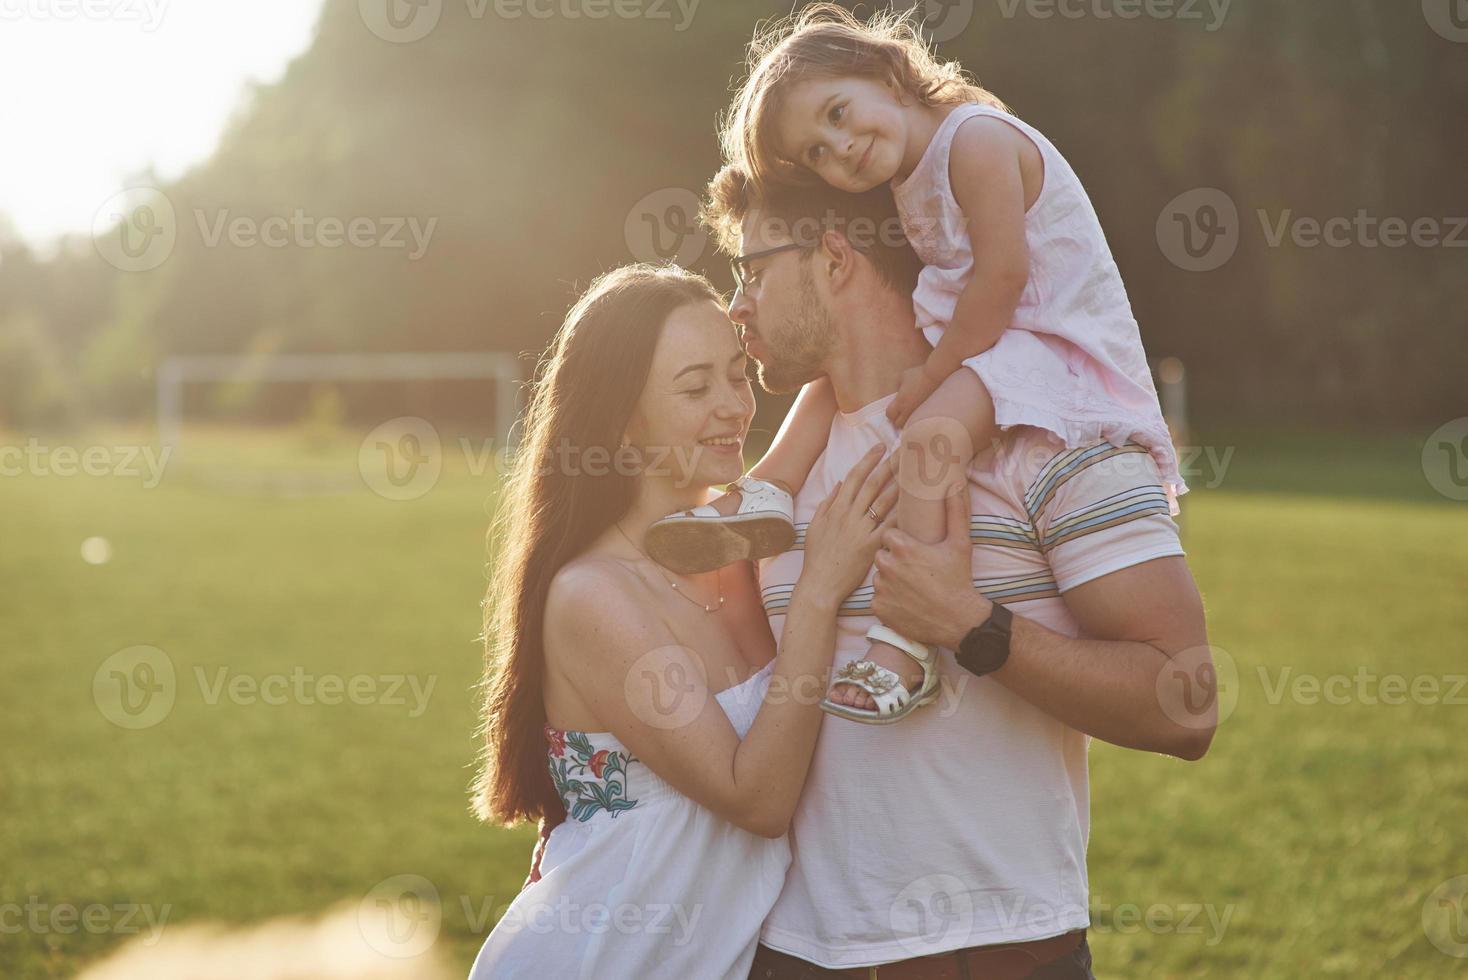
(692, 545)
(867, 716)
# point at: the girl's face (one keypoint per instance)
(851, 132)
(695, 410)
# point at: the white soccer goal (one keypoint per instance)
(176, 372)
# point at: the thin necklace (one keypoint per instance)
(717, 583)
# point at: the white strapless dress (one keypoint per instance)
(640, 881)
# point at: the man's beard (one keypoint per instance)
(804, 343)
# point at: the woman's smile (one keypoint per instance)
(730, 445)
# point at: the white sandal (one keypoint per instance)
(702, 539)
(894, 701)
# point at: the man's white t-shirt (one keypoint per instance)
(965, 824)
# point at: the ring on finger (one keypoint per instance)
(873, 514)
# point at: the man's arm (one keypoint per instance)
(1139, 621)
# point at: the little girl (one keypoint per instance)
(1020, 298)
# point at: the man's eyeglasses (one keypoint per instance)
(744, 276)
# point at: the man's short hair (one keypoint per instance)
(868, 220)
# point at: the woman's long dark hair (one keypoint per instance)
(555, 503)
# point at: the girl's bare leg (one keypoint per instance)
(938, 445)
(799, 443)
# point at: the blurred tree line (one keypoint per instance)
(531, 139)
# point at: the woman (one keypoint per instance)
(634, 700)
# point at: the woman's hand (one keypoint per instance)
(843, 538)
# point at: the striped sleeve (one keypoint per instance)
(1100, 509)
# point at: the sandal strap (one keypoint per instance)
(753, 484)
(893, 701)
(885, 686)
(920, 652)
(750, 488)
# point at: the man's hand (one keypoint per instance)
(1104, 682)
(917, 387)
(926, 591)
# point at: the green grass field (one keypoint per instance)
(1306, 844)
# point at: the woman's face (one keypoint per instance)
(694, 413)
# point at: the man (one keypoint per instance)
(952, 844)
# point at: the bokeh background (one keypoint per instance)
(240, 587)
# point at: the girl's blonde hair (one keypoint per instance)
(827, 41)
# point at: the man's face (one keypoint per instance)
(786, 326)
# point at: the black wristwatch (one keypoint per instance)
(985, 648)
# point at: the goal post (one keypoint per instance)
(176, 372)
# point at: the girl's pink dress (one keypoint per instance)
(1072, 361)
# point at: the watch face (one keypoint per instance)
(976, 652)
(986, 648)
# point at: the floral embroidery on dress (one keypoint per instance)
(572, 758)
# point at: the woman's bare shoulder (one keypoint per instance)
(586, 576)
(597, 597)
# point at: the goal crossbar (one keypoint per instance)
(176, 372)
